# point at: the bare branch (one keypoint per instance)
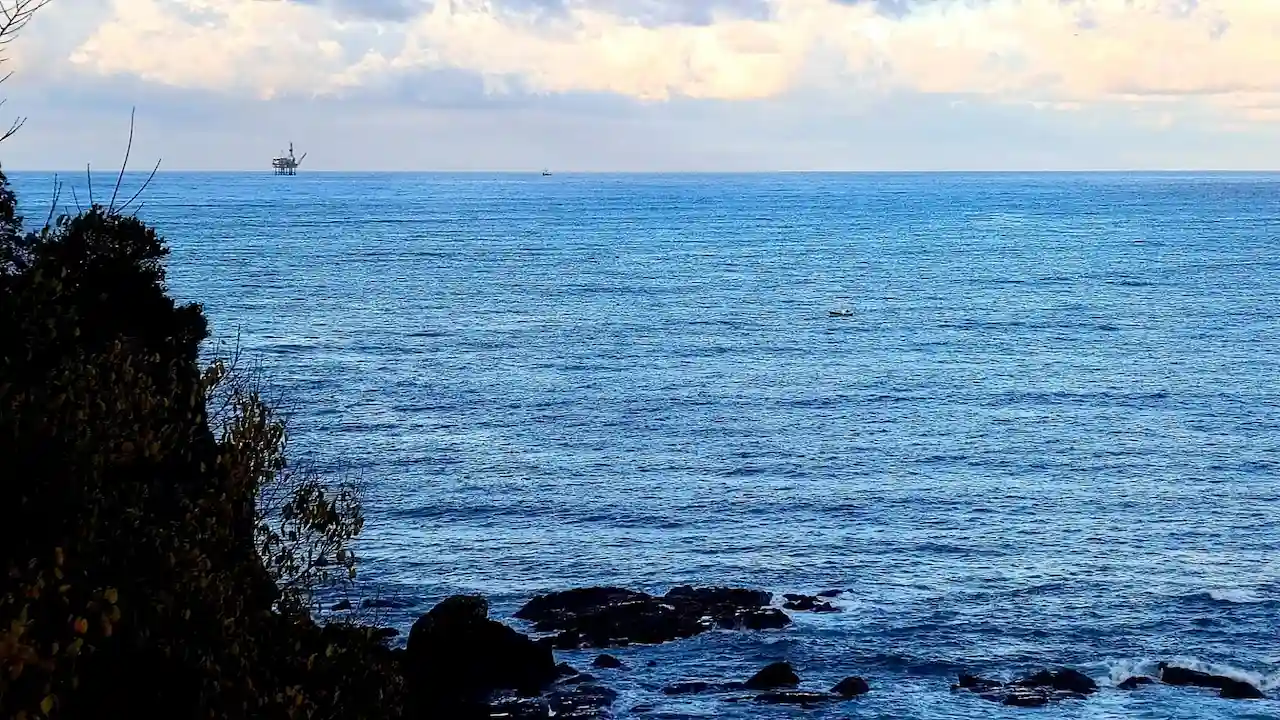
(128, 149)
(53, 203)
(142, 189)
(14, 16)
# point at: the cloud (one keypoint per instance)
(1061, 52)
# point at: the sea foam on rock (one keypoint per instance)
(1226, 687)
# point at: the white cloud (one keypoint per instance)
(1049, 51)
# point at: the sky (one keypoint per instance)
(650, 85)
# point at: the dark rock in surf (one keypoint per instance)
(1134, 682)
(718, 597)
(830, 593)
(851, 687)
(808, 603)
(688, 687)
(1227, 687)
(607, 661)
(456, 657)
(1035, 690)
(1063, 680)
(552, 606)
(584, 701)
(753, 619)
(774, 675)
(612, 617)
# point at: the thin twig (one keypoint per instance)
(128, 149)
(142, 189)
(53, 204)
(89, 176)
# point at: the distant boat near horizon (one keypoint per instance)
(546, 172)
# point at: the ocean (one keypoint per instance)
(1025, 420)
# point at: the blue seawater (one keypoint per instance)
(1046, 433)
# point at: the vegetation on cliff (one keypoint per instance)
(159, 551)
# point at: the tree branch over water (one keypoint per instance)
(14, 16)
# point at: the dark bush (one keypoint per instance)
(155, 562)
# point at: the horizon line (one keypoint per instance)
(1038, 171)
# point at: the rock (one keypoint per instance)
(578, 679)
(565, 670)
(1227, 687)
(808, 603)
(341, 605)
(800, 602)
(976, 684)
(1131, 683)
(794, 697)
(714, 596)
(830, 593)
(553, 605)
(754, 619)
(851, 687)
(607, 661)
(1240, 690)
(775, 675)
(1064, 680)
(1034, 690)
(385, 633)
(613, 617)
(456, 656)
(689, 687)
(1024, 697)
(584, 701)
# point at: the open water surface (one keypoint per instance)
(1047, 432)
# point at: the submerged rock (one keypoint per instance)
(612, 617)
(851, 687)
(808, 603)
(688, 687)
(1131, 683)
(584, 701)
(774, 675)
(456, 657)
(1035, 690)
(607, 661)
(1227, 687)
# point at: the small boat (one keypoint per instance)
(839, 313)
(546, 173)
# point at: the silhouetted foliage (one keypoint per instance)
(156, 561)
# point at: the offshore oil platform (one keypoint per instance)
(287, 164)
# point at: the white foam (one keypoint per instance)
(1236, 595)
(1128, 667)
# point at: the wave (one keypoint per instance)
(1121, 669)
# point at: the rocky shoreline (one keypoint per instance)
(460, 663)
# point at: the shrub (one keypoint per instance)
(155, 561)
